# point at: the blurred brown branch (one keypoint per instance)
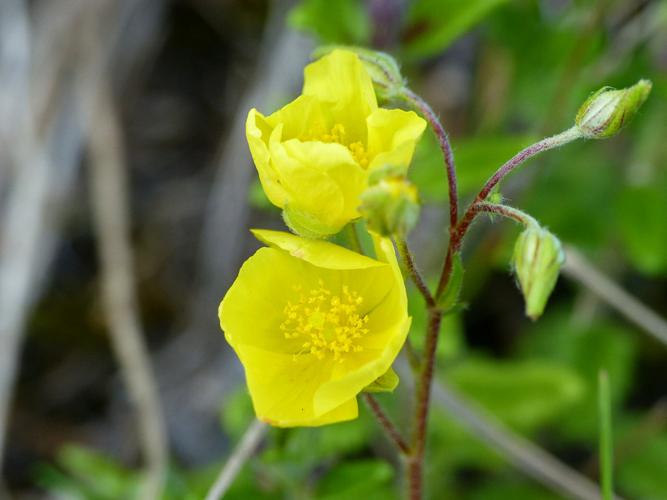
(111, 216)
(243, 451)
(576, 267)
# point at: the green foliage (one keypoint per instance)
(510, 489)
(339, 22)
(451, 343)
(236, 412)
(476, 160)
(640, 213)
(437, 23)
(368, 479)
(585, 349)
(606, 437)
(642, 473)
(88, 475)
(524, 394)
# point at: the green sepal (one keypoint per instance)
(385, 383)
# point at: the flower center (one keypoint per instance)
(337, 134)
(325, 323)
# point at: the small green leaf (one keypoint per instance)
(450, 295)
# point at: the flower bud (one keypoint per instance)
(607, 110)
(537, 259)
(381, 67)
(390, 206)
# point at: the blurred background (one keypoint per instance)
(127, 191)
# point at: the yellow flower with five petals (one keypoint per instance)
(315, 154)
(314, 324)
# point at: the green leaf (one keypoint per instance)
(450, 343)
(367, 479)
(450, 295)
(523, 394)
(641, 215)
(439, 22)
(339, 22)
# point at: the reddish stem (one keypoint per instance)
(389, 427)
(427, 112)
(415, 462)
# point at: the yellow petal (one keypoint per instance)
(380, 347)
(340, 79)
(392, 136)
(251, 311)
(257, 133)
(282, 387)
(301, 118)
(308, 189)
(319, 253)
(340, 167)
(351, 377)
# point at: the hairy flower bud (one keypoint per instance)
(390, 206)
(537, 259)
(606, 111)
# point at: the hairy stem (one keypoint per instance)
(415, 462)
(544, 145)
(458, 231)
(416, 102)
(507, 212)
(386, 423)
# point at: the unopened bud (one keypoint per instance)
(606, 111)
(537, 259)
(390, 206)
(381, 67)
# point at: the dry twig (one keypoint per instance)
(579, 269)
(239, 456)
(109, 200)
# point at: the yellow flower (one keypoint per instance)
(314, 155)
(314, 324)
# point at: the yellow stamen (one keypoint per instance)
(327, 324)
(337, 134)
